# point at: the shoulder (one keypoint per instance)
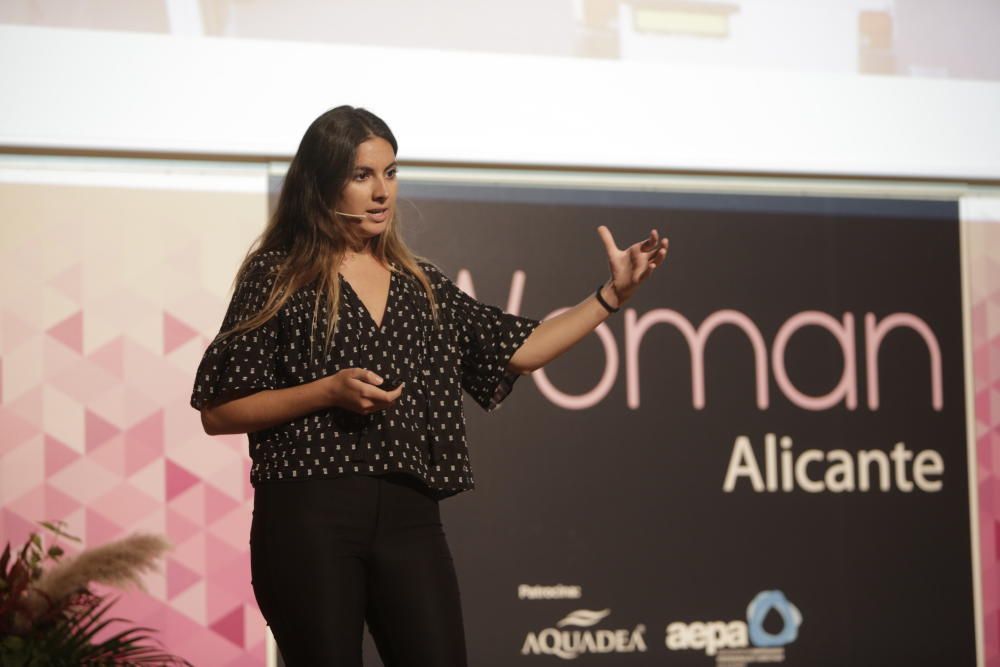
(428, 267)
(262, 266)
(254, 281)
(266, 262)
(434, 275)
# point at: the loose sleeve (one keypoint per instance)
(244, 363)
(487, 338)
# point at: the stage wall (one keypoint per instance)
(602, 504)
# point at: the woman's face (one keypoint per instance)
(370, 193)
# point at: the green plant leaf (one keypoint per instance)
(57, 528)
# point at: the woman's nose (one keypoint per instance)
(381, 191)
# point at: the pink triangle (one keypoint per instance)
(179, 527)
(111, 455)
(31, 505)
(144, 442)
(69, 283)
(191, 504)
(57, 504)
(15, 429)
(16, 528)
(173, 628)
(28, 406)
(178, 480)
(191, 552)
(230, 582)
(220, 600)
(69, 332)
(191, 603)
(100, 530)
(230, 626)
(217, 504)
(14, 330)
(179, 578)
(234, 527)
(97, 430)
(175, 333)
(110, 357)
(221, 556)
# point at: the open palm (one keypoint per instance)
(631, 266)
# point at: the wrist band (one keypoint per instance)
(607, 306)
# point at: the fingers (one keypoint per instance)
(657, 257)
(608, 239)
(366, 375)
(386, 397)
(369, 391)
(653, 257)
(653, 243)
(650, 243)
(370, 398)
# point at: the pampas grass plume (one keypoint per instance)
(119, 564)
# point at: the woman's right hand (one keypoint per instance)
(356, 389)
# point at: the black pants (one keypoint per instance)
(327, 555)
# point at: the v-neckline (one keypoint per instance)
(379, 326)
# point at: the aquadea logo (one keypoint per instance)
(568, 644)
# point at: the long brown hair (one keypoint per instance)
(305, 229)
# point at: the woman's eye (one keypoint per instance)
(391, 173)
(360, 176)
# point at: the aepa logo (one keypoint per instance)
(737, 640)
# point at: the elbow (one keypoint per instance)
(520, 363)
(208, 422)
(520, 368)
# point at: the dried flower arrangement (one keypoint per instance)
(49, 615)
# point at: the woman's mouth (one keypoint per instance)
(378, 214)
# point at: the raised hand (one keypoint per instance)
(631, 266)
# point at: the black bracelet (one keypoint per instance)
(607, 306)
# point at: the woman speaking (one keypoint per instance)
(343, 356)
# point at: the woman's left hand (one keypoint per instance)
(631, 266)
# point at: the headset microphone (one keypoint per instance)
(351, 215)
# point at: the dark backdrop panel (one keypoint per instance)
(628, 504)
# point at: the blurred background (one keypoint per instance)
(143, 142)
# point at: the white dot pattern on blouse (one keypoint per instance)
(423, 432)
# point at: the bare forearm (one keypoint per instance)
(263, 409)
(556, 335)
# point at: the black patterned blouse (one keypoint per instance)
(423, 432)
